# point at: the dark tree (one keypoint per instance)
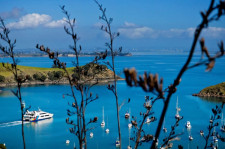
(110, 46)
(8, 50)
(80, 86)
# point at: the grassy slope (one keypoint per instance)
(29, 70)
(218, 89)
(103, 74)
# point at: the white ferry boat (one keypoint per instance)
(33, 116)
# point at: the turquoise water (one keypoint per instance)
(54, 132)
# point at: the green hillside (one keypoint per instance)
(213, 91)
(37, 75)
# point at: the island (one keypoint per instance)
(89, 73)
(213, 91)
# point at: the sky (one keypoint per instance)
(144, 25)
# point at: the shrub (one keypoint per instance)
(39, 77)
(2, 146)
(55, 75)
(29, 78)
(2, 78)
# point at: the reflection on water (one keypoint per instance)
(213, 99)
(42, 122)
(39, 126)
(4, 93)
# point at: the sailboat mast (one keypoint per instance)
(103, 114)
(222, 119)
(177, 106)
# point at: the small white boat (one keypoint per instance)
(103, 121)
(67, 141)
(190, 138)
(215, 139)
(33, 116)
(148, 120)
(201, 132)
(23, 104)
(127, 114)
(91, 134)
(107, 130)
(129, 125)
(103, 124)
(165, 129)
(188, 125)
(129, 147)
(117, 143)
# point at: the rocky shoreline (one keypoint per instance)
(60, 82)
(208, 95)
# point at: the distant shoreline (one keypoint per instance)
(64, 55)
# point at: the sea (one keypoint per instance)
(53, 133)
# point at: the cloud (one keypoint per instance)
(128, 24)
(98, 25)
(30, 21)
(12, 14)
(137, 32)
(57, 23)
(133, 31)
(214, 32)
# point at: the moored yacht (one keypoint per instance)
(188, 124)
(190, 138)
(127, 114)
(103, 121)
(222, 127)
(33, 116)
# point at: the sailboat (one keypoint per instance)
(127, 114)
(190, 136)
(130, 124)
(177, 116)
(148, 120)
(164, 128)
(129, 146)
(215, 139)
(222, 127)
(117, 142)
(188, 125)
(103, 121)
(91, 134)
(107, 130)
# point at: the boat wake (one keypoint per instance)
(9, 124)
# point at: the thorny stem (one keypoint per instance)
(104, 17)
(184, 68)
(140, 130)
(14, 70)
